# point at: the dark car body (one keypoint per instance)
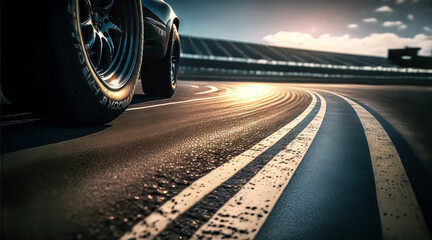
(159, 19)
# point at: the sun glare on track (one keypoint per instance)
(251, 91)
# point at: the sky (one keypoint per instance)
(367, 27)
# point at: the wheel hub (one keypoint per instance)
(97, 20)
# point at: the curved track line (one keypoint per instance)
(212, 89)
(153, 224)
(244, 214)
(173, 103)
(400, 214)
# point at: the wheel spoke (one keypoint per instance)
(90, 42)
(88, 3)
(108, 26)
(87, 23)
(98, 53)
(107, 7)
(109, 45)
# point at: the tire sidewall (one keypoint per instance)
(73, 79)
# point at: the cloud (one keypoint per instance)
(352, 25)
(402, 1)
(375, 44)
(400, 25)
(370, 20)
(384, 9)
(410, 17)
(427, 29)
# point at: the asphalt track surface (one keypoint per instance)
(234, 160)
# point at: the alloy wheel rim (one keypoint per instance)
(174, 65)
(110, 32)
(173, 70)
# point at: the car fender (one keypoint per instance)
(162, 16)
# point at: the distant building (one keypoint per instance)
(408, 57)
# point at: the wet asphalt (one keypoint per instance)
(60, 182)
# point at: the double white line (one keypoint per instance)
(242, 216)
(155, 223)
(400, 214)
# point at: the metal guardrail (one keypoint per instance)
(302, 64)
(229, 68)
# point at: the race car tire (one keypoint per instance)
(90, 56)
(160, 79)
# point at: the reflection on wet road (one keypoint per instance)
(228, 160)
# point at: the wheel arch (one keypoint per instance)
(160, 19)
(161, 10)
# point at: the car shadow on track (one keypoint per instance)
(42, 132)
(34, 134)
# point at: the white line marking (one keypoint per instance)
(212, 89)
(179, 102)
(401, 217)
(153, 224)
(16, 115)
(19, 121)
(193, 86)
(245, 213)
